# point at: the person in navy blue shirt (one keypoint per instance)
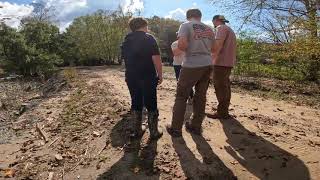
(143, 74)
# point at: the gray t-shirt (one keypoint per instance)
(200, 41)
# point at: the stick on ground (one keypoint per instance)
(54, 141)
(42, 133)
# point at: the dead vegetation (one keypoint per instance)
(63, 143)
(304, 93)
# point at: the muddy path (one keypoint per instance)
(88, 139)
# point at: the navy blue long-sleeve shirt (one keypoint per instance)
(137, 51)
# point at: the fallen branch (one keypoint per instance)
(63, 172)
(104, 147)
(42, 133)
(81, 160)
(86, 153)
(54, 141)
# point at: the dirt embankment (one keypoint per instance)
(86, 127)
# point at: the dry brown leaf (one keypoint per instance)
(9, 173)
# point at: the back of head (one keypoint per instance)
(193, 13)
(137, 23)
(220, 18)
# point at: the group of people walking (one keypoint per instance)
(200, 54)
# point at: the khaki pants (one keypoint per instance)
(222, 85)
(191, 77)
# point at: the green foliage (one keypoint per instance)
(31, 51)
(304, 55)
(68, 50)
(96, 38)
(297, 60)
(38, 48)
(165, 31)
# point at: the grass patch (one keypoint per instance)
(269, 71)
(70, 74)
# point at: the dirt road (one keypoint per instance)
(267, 139)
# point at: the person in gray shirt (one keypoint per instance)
(196, 39)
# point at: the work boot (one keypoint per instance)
(153, 125)
(138, 128)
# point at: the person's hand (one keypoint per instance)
(160, 80)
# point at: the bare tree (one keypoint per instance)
(41, 13)
(282, 19)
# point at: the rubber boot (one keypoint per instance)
(153, 125)
(138, 128)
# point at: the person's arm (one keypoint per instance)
(183, 43)
(183, 35)
(217, 46)
(177, 51)
(221, 35)
(158, 65)
(156, 58)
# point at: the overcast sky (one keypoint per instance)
(67, 10)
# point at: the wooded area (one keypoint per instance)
(66, 109)
(287, 38)
(37, 48)
(285, 44)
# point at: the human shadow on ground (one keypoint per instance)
(211, 167)
(262, 158)
(137, 161)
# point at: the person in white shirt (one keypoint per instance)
(178, 58)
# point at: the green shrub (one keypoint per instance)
(297, 60)
(30, 52)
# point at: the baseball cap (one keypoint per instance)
(220, 17)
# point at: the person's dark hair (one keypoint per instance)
(221, 18)
(194, 13)
(137, 23)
